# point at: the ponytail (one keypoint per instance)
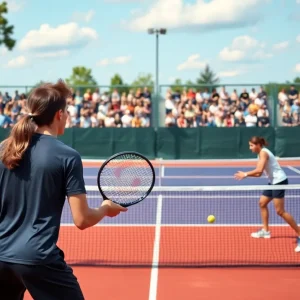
(43, 103)
(13, 148)
(258, 140)
(263, 142)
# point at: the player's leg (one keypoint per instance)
(264, 200)
(280, 210)
(54, 281)
(11, 286)
(279, 207)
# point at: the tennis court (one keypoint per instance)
(119, 258)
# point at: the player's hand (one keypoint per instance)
(240, 175)
(112, 209)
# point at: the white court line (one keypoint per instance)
(201, 197)
(208, 177)
(184, 161)
(163, 171)
(157, 228)
(155, 258)
(293, 169)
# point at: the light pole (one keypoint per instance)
(157, 32)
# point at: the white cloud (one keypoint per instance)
(18, 62)
(261, 54)
(58, 38)
(192, 62)
(203, 15)
(244, 48)
(281, 46)
(230, 73)
(298, 1)
(15, 5)
(120, 60)
(298, 39)
(245, 42)
(103, 62)
(228, 54)
(297, 68)
(83, 16)
(54, 54)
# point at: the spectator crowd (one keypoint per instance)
(187, 108)
(289, 107)
(92, 109)
(217, 109)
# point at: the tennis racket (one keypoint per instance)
(126, 178)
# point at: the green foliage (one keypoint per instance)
(81, 76)
(143, 80)
(297, 80)
(177, 86)
(208, 78)
(117, 82)
(6, 30)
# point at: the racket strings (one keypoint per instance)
(126, 179)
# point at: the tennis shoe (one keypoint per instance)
(262, 234)
(297, 249)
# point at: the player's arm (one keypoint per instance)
(258, 171)
(85, 217)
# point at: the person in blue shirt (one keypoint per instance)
(37, 173)
(268, 164)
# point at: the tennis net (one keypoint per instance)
(170, 229)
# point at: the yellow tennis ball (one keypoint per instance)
(211, 219)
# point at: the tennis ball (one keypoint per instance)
(211, 219)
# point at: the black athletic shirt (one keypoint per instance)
(32, 197)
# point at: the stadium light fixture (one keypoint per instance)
(157, 32)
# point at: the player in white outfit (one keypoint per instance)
(268, 164)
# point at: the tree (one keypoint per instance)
(177, 86)
(208, 78)
(117, 81)
(191, 85)
(81, 76)
(144, 80)
(297, 80)
(6, 30)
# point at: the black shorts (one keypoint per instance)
(53, 281)
(276, 193)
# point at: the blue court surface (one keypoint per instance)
(171, 208)
(201, 176)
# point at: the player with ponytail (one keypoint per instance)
(268, 164)
(37, 173)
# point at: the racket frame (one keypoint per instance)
(112, 158)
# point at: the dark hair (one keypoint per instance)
(257, 140)
(42, 104)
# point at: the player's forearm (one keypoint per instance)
(93, 217)
(253, 173)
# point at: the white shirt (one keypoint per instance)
(272, 169)
(250, 121)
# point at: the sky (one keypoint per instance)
(244, 42)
